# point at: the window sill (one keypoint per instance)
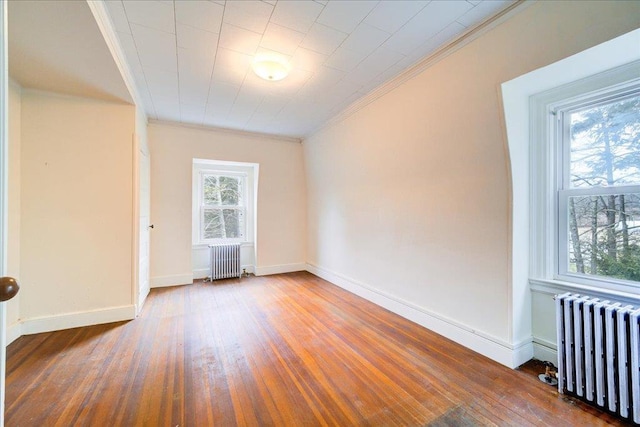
(555, 287)
(206, 245)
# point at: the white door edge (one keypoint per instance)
(4, 88)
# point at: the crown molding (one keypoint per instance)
(99, 11)
(259, 135)
(467, 37)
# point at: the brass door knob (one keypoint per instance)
(8, 288)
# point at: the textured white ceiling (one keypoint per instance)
(191, 59)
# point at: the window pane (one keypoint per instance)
(230, 190)
(212, 227)
(604, 235)
(223, 224)
(232, 223)
(211, 190)
(605, 145)
(222, 190)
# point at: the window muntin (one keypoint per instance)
(222, 207)
(599, 190)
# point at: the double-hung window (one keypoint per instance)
(598, 188)
(223, 208)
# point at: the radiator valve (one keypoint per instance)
(549, 376)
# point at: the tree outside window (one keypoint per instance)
(222, 208)
(600, 189)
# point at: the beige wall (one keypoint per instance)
(410, 196)
(281, 196)
(13, 220)
(76, 205)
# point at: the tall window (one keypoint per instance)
(222, 207)
(598, 182)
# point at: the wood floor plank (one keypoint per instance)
(282, 350)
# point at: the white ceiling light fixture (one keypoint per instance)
(271, 68)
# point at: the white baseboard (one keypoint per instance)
(203, 273)
(173, 280)
(280, 269)
(521, 353)
(14, 331)
(78, 319)
(502, 352)
(545, 351)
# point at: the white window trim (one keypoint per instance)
(546, 260)
(516, 97)
(216, 167)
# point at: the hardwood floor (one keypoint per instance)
(285, 350)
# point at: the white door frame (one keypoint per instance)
(138, 299)
(144, 223)
(4, 122)
(135, 229)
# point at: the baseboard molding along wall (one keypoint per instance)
(510, 355)
(545, 351)
(173, 280)
(14, 331)
(75, 320)
(203, 273)
(280, 269)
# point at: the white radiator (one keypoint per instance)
(599, 353)
(224, 261)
